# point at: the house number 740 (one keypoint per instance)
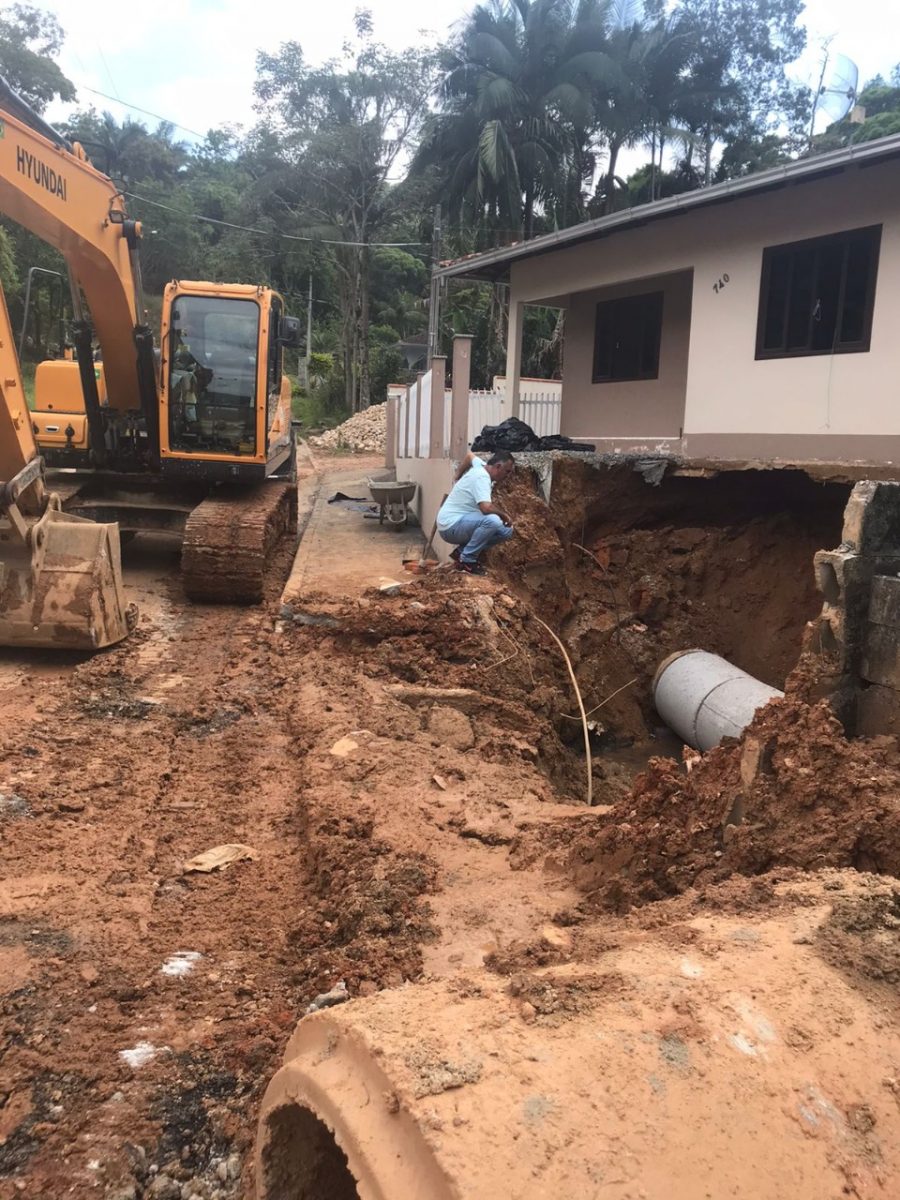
(717, 287)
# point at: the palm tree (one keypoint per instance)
(516, 86)
(651, 58)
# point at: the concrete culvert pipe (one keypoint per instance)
(704, 698)
(672, 1069)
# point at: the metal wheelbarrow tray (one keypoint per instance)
(392, 499)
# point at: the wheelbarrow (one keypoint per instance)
(392, 499)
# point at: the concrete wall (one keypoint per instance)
(435, 479)
(641, 407)
(842, 406)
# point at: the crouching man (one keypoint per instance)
(468, 518)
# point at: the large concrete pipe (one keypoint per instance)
(667, 1069)
(704, 698)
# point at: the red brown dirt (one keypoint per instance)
(417, 852)
(794, 793)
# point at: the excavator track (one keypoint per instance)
(229, 539)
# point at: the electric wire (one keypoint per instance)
(291, 237)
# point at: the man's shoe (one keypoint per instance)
(455, 553)
(470, 568)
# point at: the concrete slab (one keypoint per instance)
(343, 552)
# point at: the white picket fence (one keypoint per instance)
(539, 409)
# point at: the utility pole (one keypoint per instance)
(309, 330)
(434, 304)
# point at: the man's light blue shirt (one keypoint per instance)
(472, 489)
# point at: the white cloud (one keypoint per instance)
(193, 61)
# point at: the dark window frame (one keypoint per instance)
(772, 254)
(653, 304)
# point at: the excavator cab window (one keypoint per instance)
(213, 349)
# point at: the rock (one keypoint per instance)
(556, 939)
(124, 1191)
(450, 727)
(89, 974)
(367, 987)
(222, 1171)
(756, 759)
(390, 587)
(337, 995)
(365, 432)
(343, 747)
(233, 1163)
(164, 1188)
(70, 806)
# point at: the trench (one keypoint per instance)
(725, 564)
(634, 573)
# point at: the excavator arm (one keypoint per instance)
(60, 575)
(48, 186)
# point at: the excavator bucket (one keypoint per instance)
(61, 587)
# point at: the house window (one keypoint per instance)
(817, 296)
(626, 338)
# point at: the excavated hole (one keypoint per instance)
(724, 564)
(302, 1160)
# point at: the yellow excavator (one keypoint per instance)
(193, 437)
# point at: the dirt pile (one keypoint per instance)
(793, 793)
(363, 433)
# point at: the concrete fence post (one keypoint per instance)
(513, 359)
(459, 405)
(406, 421)
(390, 433)
(436, 430)
(418, 423)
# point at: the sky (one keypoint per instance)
(193, 61)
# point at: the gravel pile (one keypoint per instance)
(364, 432)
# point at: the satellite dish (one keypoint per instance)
(837, 91)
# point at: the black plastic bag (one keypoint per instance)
(556, 441)
(511, 434)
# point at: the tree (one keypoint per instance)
(515, 89)
(29, 41)
(334, 136)
(651, 53)
(741, 50)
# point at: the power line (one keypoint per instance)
(291, 237)
(145, 111)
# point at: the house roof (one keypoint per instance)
(494, 264)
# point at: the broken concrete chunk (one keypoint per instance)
(343, 747)
(220, 857)
(309, 618)
(390, 587)
(451, 728)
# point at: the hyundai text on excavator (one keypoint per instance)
(194, 438)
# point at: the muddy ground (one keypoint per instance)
(407, 775)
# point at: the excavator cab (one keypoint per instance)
(213, 360)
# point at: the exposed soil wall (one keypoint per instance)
(724, 563)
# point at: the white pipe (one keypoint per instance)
(704, 698)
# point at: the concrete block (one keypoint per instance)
(884, 601)
(872, 517)
(878, 711)
(880, 662)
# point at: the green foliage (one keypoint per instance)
(9, 275)
(515, 127)
(29, 40)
